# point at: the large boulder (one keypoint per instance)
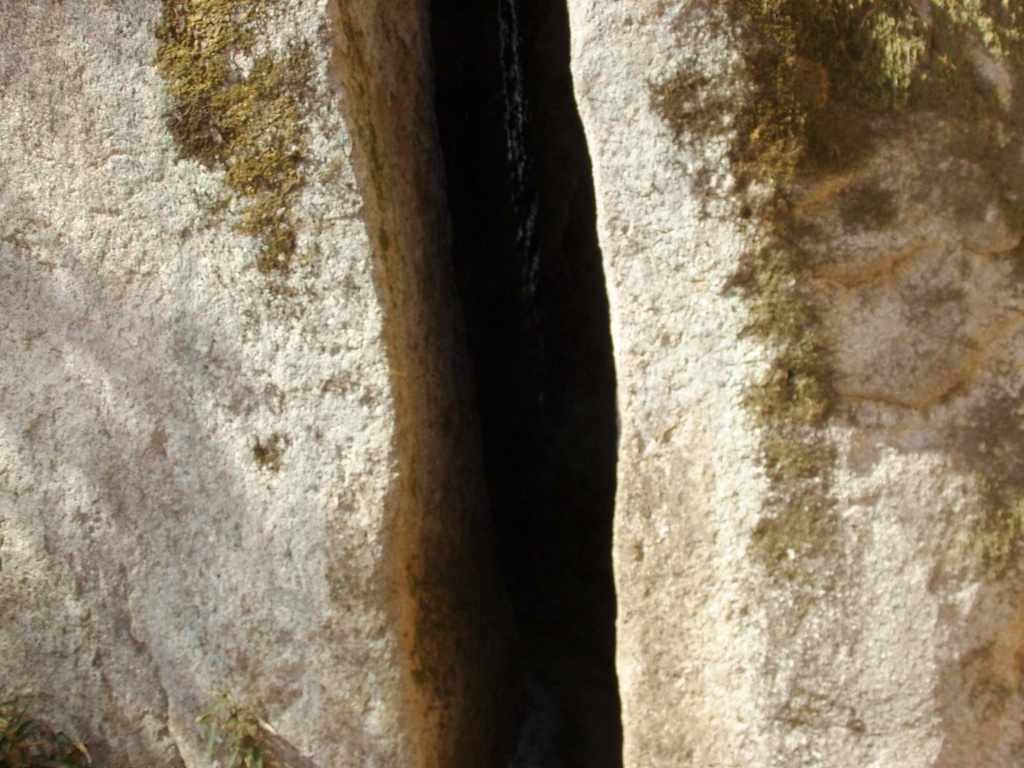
(811, 221)
(234, 457)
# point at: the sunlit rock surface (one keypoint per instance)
(214, 478)
(811, 221)
(238, 453)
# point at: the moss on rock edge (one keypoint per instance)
(238, 110)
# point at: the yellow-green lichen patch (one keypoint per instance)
(980, 543)
(790, 406)
(238, 110)
(998, 25)
(998, 538)
(823, 73)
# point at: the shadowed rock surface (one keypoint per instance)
(529, 274)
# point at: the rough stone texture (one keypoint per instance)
(814, 275)
(213, 476)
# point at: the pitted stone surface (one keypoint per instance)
(819, 517)
(195, 458)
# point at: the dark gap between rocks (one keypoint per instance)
(530, 280)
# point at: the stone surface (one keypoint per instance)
(814, 274)
(215, 476)
(236, 448)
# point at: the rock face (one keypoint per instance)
(811, 221)
(242, 452)
(234, 456)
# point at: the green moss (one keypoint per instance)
(982, 546)
(824, 71)
(790, 406)
(984, 541)
(997, 24)
(997, 538)
(248, 123)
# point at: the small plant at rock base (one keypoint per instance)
(28, 742)
(236, 730)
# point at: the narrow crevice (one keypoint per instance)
(530, 281)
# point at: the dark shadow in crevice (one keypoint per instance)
(530, 280)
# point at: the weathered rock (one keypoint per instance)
(234, 456)
(811, 220)
(236, 448)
